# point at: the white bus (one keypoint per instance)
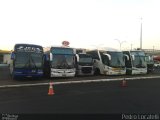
(59, 62)
(84, 64)
(108, 62)
(136, 62)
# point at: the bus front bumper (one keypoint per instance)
(28, 73)
(136, 71)
(62, 72)
(115, 71)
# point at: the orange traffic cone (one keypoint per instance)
(50, 91)
(124, 83)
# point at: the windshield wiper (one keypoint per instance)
(26, 64)
(33, 62)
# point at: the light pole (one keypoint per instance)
(120, 42)
(141, 35)
(131, 46)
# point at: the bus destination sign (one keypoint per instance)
(29, 49)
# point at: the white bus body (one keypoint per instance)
(59, 62)
(108, 62)
(84, 64)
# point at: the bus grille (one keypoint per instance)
(86, 69)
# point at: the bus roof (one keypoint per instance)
(48, 48)
(28, 48)
(133, 51)
(106, 49)
(26, 44)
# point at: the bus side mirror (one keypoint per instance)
(12, 56)
(126, 56)
(108, 55)
(77, 58)
(51, 57)
(133, 57)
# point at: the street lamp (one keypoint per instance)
(141, 35)
(131, 46)
(120, 42)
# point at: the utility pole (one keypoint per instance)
(141, 35)
(131, 46)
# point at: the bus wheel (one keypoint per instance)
(97, 71)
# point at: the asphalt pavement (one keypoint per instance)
(140, 96)
(104, 95)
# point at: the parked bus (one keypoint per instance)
(84, 64)
(59, 62)
(26, 61)
(150, 63)
(108, 62)
(136, 62)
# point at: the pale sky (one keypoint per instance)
(84, 23)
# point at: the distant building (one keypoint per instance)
(4, 56)
(152, 51)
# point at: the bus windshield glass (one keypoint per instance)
(57, 50)
(149, 59)
(62, 61)
(28, 60)
(84, 58)
(117, 59)
(139, 59)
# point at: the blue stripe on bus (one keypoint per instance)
(23, 72)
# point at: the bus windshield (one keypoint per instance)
(139, 60)
(149, 59)
(62, 61)
(36, 59)
(117, 59)
(28, 60)
(85, 60)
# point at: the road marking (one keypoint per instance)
(76, 82)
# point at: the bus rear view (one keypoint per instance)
(26, 61)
